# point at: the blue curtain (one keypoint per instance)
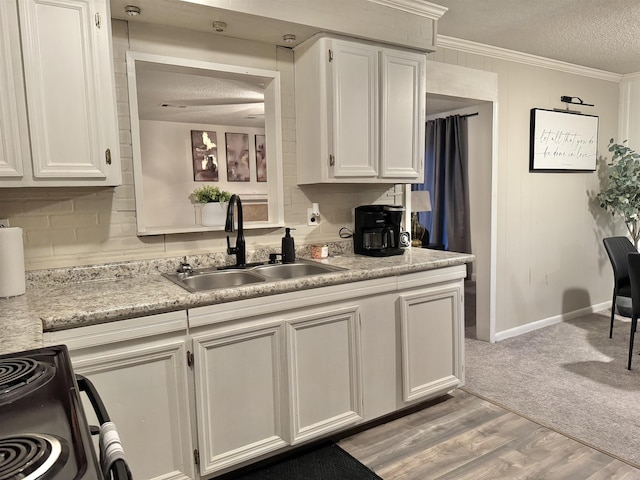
(446, 178)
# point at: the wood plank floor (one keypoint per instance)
(465, 437)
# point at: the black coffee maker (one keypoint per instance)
(377, 230)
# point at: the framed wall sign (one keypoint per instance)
(238, 168)
(562, 141)
(261, 159)
(204, 152)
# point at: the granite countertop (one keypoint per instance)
(48, 306)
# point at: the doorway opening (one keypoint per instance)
(480, 128)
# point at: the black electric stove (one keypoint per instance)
(44, 434)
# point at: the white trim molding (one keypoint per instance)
(629, 77)
(525, 58)
(545, 322)
(415, 7)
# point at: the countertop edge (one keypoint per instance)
(60, 307)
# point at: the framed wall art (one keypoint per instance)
(562, 141)
(261, 159)
(238, 169)
(204, 150)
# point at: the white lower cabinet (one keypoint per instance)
(280, 375)
(380, 358)
(432, 341)
(197, 394)
(239, 394)
(139, 369)
(324, 371)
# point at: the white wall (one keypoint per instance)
(480, 150)
(629, 128)
(550, 259)
(168, 177)
(480, 128)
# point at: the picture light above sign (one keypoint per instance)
(563, 141)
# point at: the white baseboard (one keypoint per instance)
(545, 322)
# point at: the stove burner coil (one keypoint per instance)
(29, 456)
(19, 376)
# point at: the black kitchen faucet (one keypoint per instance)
(239, 250)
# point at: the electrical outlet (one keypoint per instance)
(313, 218)
(4, 222)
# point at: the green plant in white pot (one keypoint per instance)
(214, 204)
(620, 194)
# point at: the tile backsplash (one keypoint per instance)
(115, 270)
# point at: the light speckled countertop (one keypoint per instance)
(88, 297)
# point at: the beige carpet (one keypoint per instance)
(569, 377)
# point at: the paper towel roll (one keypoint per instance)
(11, 262)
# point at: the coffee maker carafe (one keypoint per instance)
(377, 230)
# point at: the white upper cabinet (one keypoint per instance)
(360, 111)
(402, 115)
(14, 145)
(354, 109)
(70, 94)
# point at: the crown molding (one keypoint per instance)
(415, 7)
(630, 77)
(525, 58)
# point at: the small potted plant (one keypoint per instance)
(213, 203)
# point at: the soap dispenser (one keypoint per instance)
(288, 247)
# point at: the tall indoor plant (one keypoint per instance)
(620, 194)
(214, 204)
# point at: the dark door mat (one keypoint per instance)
(326, 462)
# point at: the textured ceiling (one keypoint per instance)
(601, 34)
(174, 94)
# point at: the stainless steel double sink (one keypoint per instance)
(212, 278)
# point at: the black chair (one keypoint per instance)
(634, 276)
(618, 248)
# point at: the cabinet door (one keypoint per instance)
(380, 358)
(354, 83)
(402, 116)
(238, 387)
(432, 341)
(139, 367)
(70, 90)
(144, 389)
(324, 372)
(13, 127)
